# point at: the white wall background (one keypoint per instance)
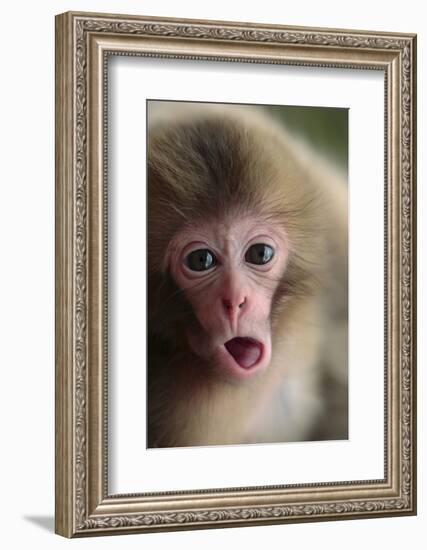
(27, 273)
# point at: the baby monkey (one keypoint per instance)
(247, 281)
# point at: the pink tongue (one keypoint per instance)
(245, 351)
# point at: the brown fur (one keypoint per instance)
(213, 163)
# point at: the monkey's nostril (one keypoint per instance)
(228, 304)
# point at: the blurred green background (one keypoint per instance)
(324, 128)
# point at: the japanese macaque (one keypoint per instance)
(247, 281)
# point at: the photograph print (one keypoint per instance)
(247, 274)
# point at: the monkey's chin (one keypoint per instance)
(242, 357)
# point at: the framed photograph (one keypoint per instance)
(235, 274)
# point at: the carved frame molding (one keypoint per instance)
(83, 43)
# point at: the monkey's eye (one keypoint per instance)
(200, 260)
(259, 254)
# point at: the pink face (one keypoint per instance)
(229, 272)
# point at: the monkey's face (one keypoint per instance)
(229, 272)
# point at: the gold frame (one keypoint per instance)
(83, 43)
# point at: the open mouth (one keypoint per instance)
(245, 351)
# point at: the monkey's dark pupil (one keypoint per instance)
(259, 254)
(200, 260)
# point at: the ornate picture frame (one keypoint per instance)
(84, 42)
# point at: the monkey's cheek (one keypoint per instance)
(200, 344)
